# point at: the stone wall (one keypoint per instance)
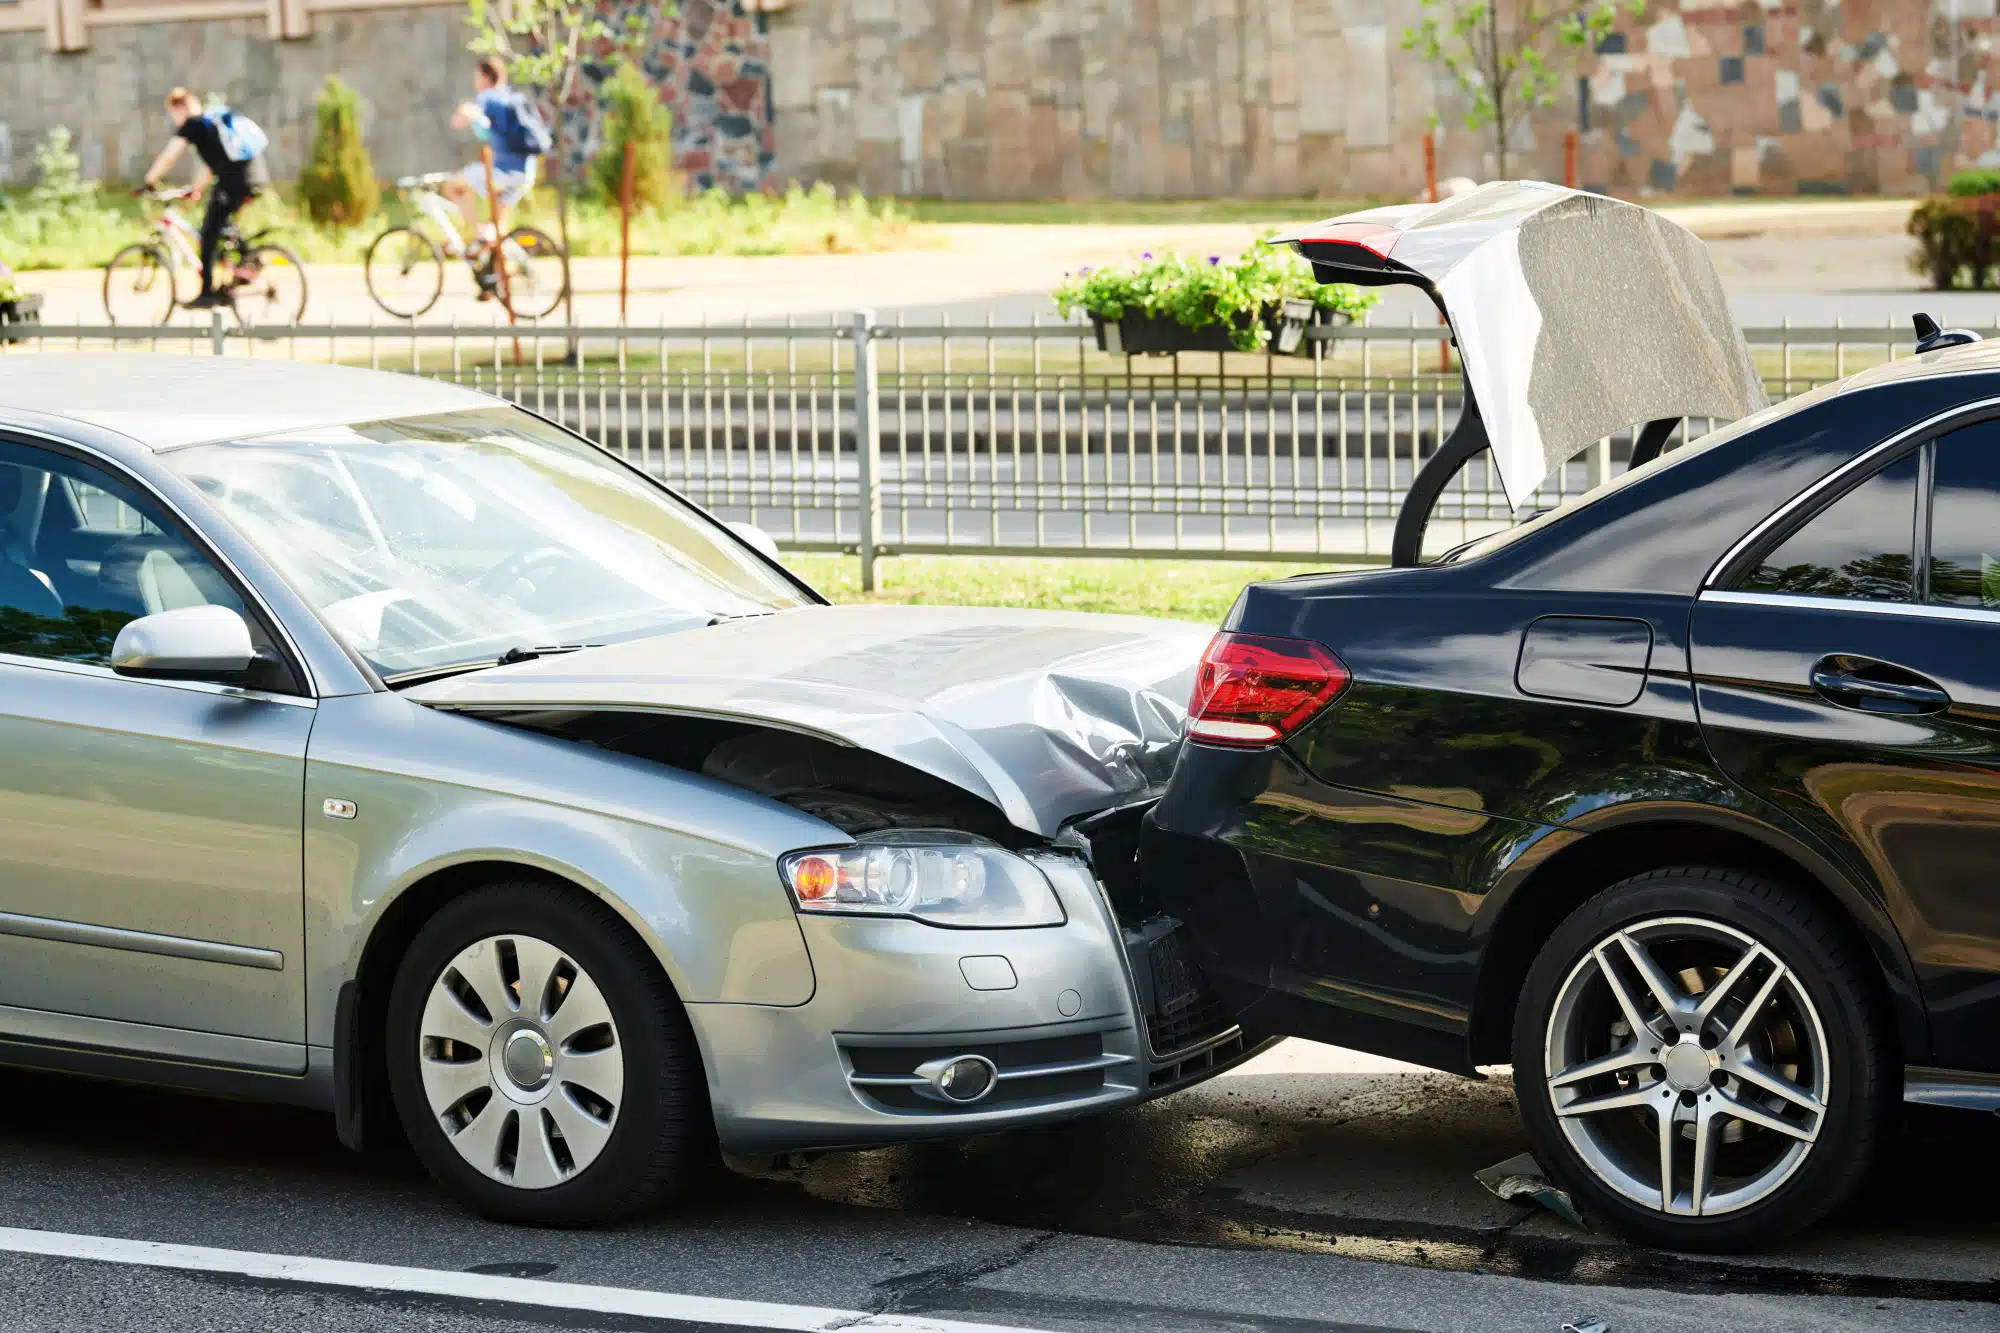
(1072, 98)
(1080, 98)
(409, 66)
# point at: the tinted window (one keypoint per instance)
(1965, 518)
(1859, 546)
(81, 554)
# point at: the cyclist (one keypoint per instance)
(504, 118)
(231, 149)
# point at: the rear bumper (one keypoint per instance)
(1068, 1038)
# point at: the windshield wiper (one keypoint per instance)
(513, 655)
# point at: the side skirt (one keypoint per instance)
(1962, 1088)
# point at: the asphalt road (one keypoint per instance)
(1312, 1190)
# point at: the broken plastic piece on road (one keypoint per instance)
(1588, 1324)
(1521, 1177)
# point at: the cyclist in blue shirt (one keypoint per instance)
(231, 156)
(507, 122)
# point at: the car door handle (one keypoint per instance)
(1877, 687)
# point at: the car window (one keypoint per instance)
(1859, 546)
(82, 554)
(1965, 518)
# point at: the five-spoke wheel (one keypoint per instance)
(1698, 1055)
(540, 1062)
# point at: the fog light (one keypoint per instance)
(959, 1078)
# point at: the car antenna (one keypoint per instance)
(1930, 337)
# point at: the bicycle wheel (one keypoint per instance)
(270, 286)
(537, 273)
(405, 272)
(139, 285)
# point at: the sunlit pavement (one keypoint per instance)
(1312, 1188)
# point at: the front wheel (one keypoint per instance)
(404, 271)
(537, 273)
(540, 1062)
(139, 286)
(270, 286)
(1700, 1059)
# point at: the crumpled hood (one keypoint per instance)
(1046, 714)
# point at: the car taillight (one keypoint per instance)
(1254, 689)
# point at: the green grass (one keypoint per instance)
(1100, 212)
(816, 221)
(1197, 590)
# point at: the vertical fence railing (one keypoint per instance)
(1021, 439)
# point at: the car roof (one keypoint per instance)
(167, 402)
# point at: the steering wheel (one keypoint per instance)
(521, 565)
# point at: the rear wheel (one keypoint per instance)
(540, 1063)
(270, 286)
(139, 286)
(536, 276)
(404, 271)
(1699, 1059)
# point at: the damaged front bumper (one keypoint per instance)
(1073, 1019)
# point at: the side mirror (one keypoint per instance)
(754, 536)
(193, 643)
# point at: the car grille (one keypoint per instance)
(1042, 1070)
(1181, 1011)
(1173, 1073)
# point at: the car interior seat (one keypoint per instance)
(22, 586)
(151, 573)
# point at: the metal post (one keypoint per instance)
(867, 443)
(215, 334)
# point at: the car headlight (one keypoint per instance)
(946, 879)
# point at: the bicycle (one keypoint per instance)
(142, 281)
(405, 265)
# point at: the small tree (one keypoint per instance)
(338, 185)
(544, 44)
(634, 114)
(60, 191)
(1508, 56)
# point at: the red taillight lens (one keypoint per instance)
(1255, 690)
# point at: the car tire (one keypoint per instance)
(584, 1045)
(1799, 1018)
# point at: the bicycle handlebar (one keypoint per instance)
(171, 194)
(428, 178)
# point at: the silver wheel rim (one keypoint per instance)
(1687, 1066)
(521, 1061)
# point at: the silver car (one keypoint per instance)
(371, 744)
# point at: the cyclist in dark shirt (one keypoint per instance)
(236, 183)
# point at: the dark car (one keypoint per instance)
(1683, 799)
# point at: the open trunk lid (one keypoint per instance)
(1576, 315)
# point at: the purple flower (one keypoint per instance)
(1213, 260)
(1084, 272)
(1147, 255)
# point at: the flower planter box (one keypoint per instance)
(1162, 335)
(23, 309)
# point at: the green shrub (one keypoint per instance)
(634, 114)
(1955, 243)
(1195, 295)
(60, 191)
(337, 187)
(1974, 181)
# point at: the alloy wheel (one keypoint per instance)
(1687, 1066)
(521, 1061)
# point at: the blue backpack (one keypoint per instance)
(242, 138)
(517, 126)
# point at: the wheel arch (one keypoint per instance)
(364, 1116)
(1563, 871)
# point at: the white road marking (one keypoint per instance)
(473, 1286)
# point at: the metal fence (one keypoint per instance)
(879, 438)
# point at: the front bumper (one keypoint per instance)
(1068, 1038)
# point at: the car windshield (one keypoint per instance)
(443, 541)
